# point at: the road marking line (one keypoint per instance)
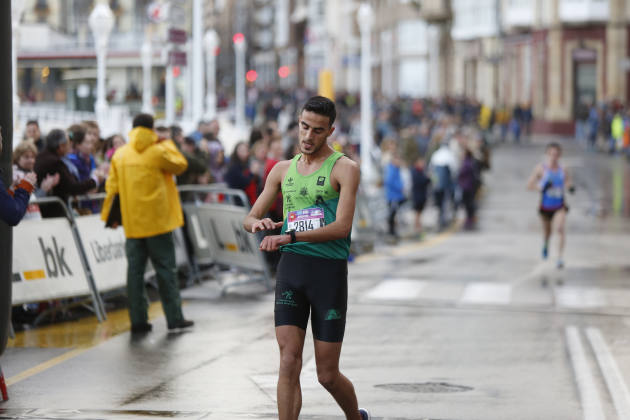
(612, 375)
(580, 297)
(85, 334)
(396, 289)
(491, 293)
(589, 395)
(45, 365)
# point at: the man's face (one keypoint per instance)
(553, 153)
(32, 131)
(64, 149)
(163, 134)
(214, 127)
(314, 130)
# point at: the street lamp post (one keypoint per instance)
(170, 89)
(17, 8)
(146, 55)
(240, 46)
(211, 42)
(101, 22)
(197, 61)
(365, 18)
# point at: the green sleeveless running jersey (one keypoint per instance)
(310, 202)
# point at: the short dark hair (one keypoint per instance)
(76, 132)
(30, 122)
(190, 141)
(55, 138)
(322, 106)
(554, 145)
(143, 120)
(176, 130)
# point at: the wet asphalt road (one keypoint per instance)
(464, 325)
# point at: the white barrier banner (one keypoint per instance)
(105, 252)
(222, 227)
(46, 262)
(198, 235)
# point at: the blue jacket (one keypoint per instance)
(393, 184)
(12, 208)
(85, 169)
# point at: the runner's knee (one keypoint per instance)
(290, 361)
(327, 377)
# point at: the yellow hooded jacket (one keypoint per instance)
(141, 172)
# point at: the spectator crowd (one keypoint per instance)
(425, 150)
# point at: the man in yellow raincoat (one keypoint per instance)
(142, 174)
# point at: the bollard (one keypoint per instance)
(3, 386)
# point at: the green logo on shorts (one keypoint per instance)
(286, 299)
(332, 315)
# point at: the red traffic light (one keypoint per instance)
(238, 38)
(251, 76)
(284, 72)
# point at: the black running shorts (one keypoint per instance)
(548, 214)
(312, 285)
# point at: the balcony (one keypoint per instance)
(519, 13)
(582, 11)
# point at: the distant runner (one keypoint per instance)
(551, 180)
(319, 188)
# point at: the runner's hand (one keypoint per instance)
(273, 242)
(265, 224)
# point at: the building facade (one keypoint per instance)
(563, 53)
(550, 54)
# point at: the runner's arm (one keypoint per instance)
(569, 181)
(255, 220)
(348, 174)
(532, 183)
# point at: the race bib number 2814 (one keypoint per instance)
(307, 219)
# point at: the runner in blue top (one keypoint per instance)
(551, 180)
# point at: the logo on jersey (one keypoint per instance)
(321, 180)
(303, 192)
(290, 182)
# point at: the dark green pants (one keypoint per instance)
(161, 250)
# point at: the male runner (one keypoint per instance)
(551, 179)
(319, 188)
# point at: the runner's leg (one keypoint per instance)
(327, 359)
(546, 234)
(559, 221)
(291, 342)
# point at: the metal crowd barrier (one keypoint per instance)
(75, 256)
(53, 262)
(49, 261)
(214, 224)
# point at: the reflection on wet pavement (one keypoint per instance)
(156, 415)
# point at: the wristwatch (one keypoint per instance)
(292, 233)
